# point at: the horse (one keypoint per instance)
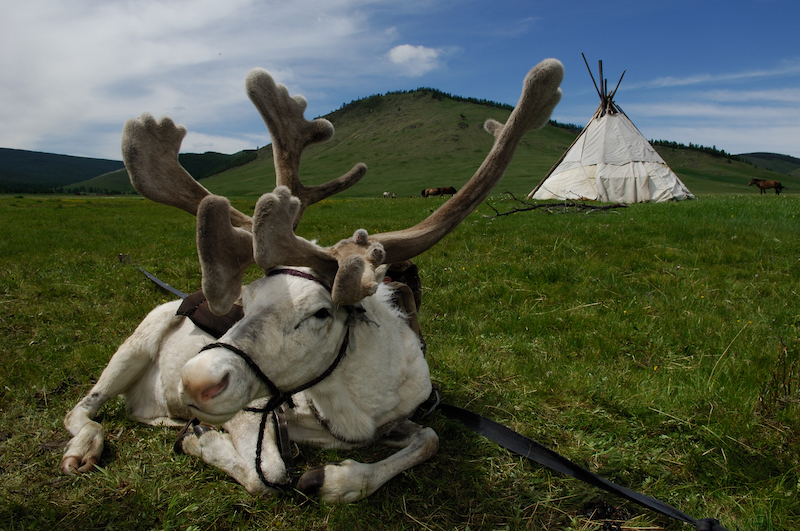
(764, 185)
(445, 190)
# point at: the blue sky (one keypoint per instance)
(724, 74)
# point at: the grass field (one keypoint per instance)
(656, 345)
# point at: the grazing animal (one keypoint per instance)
(764, 185)
(320, 341)
(386, 195)
(446, 190)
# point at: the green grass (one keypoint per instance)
(657, 345)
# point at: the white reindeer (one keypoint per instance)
(321, 342)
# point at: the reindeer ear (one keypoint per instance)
(225, 253)
(380, 273)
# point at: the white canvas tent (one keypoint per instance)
(611, 161)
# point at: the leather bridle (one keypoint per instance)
(277, 396)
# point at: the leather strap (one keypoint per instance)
(532, 450)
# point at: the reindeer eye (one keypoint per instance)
(322, 313)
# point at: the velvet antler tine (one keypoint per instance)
(540, 95)
(291, 134)
(317, 193)
(351, 265)
(225, 253)
(150, 153)
(274, 241)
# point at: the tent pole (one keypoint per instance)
(617, 87)
(592, 76)
(604, 90)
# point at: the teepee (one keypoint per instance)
(611, 161)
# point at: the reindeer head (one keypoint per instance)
(228, 242)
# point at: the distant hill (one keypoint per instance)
(24, 171)
(32, 171)
(772, 161)
(199, 166)
(425, 138)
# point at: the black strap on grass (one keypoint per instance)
(163, 285)
(532, 450)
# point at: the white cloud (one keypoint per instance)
(414, 60)
(788, 69)
(72, 68)
(726, 113)
(741, 123)
(787, 95)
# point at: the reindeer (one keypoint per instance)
(320, 343)
(763, 185)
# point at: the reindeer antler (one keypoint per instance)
(291, 133)
(540, 95)
(225, 253)
(150, 153)
(352, 263)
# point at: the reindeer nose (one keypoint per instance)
(200, 386)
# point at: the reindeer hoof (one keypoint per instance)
(196, 427)
(72, 465)
(178, 446)
(311, 482)
(202, 429)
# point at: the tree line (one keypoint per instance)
(713, 151)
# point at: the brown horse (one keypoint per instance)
(446, 190)
(763, 185)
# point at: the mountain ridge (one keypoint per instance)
(426, 138)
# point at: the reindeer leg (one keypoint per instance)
(234, 452)
(125, 369)
(84, 449)
(351, 481)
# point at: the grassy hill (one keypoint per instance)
(704, 173)
(408, 141)
(772, 161)
(420, 139)
(33, 171)
(199, 165)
